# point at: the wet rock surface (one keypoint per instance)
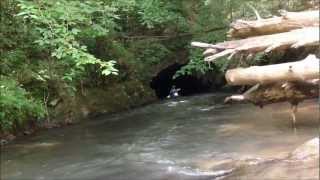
(307, 151)
(301, 164)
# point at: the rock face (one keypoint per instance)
(300, 164)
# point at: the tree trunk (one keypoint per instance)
(293, 71)
(286, 22)
(294, 39)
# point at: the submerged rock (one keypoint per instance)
(302, 164)
(5, 139)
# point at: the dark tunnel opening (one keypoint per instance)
(189, 85)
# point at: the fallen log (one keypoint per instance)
(291, 82)
(294, 39)
(305, 69)
(286, 22)
(282, 41)
(292, 92)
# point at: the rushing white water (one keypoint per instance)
(187, 138)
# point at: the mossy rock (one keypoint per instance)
(98, 100)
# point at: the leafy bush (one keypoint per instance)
(16, 104)
(195, 65)
(154, 54)
(59, 23)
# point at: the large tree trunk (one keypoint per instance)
(282, 41)
(293, 71)
(286, 22)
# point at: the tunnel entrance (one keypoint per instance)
(189, 85)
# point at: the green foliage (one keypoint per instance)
(209, 16)
(59, 23)
(154, 54)
(195, 65)
(16, 104)
(156, 12)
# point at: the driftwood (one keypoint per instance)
(293, 92)
(293, 71)
(293, 39)
(286, 22)
(292, 82)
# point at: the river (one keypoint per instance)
(195, 137)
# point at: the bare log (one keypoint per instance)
(286, 22)
(293, 71)
(292, 82)
(292, 92)
(294, 39)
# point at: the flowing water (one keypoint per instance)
(186, 138)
